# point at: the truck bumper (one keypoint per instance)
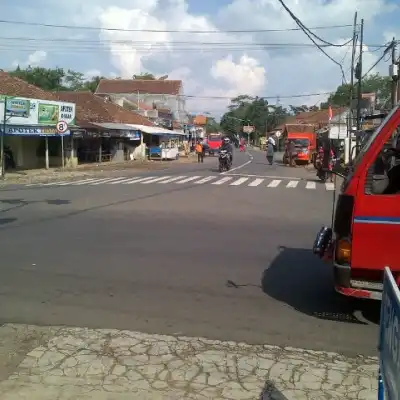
(355, 288)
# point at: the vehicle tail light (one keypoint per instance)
(343, 251)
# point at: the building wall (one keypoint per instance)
(176, 104)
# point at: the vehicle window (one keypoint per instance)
(368, 142)
(384, 176)
(301, 142)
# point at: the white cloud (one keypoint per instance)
(33, 60)
(223, 70)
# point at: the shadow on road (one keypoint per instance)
(270, 392)
(298, 278)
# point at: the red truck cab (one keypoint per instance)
(364, 237)
(214, 141)
(305, 140)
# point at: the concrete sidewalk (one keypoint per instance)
(77, 364)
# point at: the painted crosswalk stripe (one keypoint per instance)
(274, 183)
(329, 186)
(80, 182)
(192, 178)
(136, 180)
(205, 180)
(256, 182)
(119, 180)
(176, 178)
(310, 185)
(292, 184)
(239, 181)
(160, 178)
(222, 181)
(53, 183)
(104, 180)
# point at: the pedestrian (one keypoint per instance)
(292, 153)
(270, 150)
(199, 151)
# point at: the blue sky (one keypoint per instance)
(233, 64)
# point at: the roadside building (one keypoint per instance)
(155, 94)
(29, 116)
(109, 132)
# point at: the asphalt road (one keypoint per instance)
(223, 262)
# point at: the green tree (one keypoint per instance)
(375, 83)
(145, 76)
(57, 79)
(247, 110)
(45, 78)
(212, 125)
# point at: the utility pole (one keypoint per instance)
(394, 74)
(359, 77)
(350, 120)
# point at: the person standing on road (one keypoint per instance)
(270, 150)
(199, 151)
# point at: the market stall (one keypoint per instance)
(162, 143)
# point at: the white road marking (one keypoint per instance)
(256, 182)
(292, 184)
(294, 178)
(311, 185)
(135, 180)
(80, 182)
(274, 183)
(329, 186)
(106, 180)
(173, 179)
(192, 178)
(222, 181)
(160, 178)
(122, 180)
(52, 183)
(240, 166)
(239, 181)
(205, 180)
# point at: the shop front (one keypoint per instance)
(29, 135)
(113, 142)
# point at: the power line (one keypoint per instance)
(149, 42)
(293, 96)
(304, 29)
(388, 48)
(11, 22)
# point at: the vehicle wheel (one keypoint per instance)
(221, 168)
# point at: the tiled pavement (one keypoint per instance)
(217, 180)
(78, 364)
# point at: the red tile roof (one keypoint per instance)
(129, 86)
(12, 86)
(93, 109)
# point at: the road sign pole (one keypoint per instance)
(62, 151)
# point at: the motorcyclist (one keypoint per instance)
(226, 145)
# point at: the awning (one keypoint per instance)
(155, 130)
(115, 126)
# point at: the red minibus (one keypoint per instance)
(366, 224)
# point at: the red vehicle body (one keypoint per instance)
(214, 141)
(366, 229)
(305, 139)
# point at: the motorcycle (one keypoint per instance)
(224, 161)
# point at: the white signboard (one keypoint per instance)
(34, 112)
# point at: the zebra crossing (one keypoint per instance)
(218, 180)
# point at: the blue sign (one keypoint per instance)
(389, 341)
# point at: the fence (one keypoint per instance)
(389, 340)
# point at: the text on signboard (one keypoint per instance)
(66, 112)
